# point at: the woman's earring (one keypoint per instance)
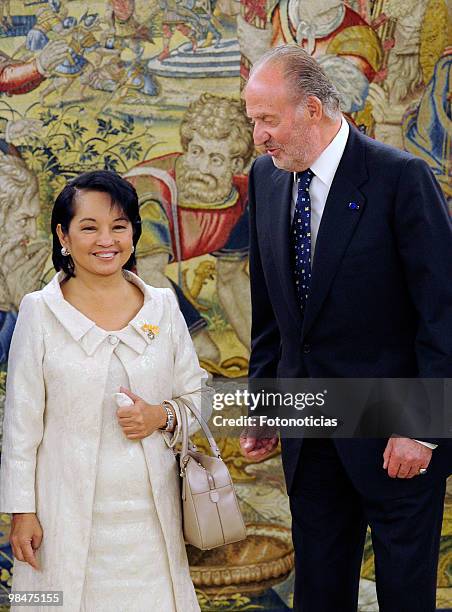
(133, 248)
(64, 252)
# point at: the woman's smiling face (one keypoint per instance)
(99, 237)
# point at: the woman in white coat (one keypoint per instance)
(93, 488)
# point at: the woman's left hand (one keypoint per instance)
(141, 419)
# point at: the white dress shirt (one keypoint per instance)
(324, 169)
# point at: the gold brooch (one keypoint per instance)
(150, 330)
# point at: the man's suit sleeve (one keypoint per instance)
(265, 337)
(424, 235)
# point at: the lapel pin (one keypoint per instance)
(150, 330)
(353, 206)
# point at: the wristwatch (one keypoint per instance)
(170, 417)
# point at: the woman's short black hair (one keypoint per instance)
(122, 194)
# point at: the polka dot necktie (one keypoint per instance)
(301, 237)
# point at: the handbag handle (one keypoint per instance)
(183, 404)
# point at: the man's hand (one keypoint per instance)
(21, 129)
(255, 446)
(26, 537)
(141, 419)
(53, 54)
(403, 457)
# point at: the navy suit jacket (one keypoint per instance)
(380, 302)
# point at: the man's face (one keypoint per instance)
(20, 221)
(205, 170)
(283, 128)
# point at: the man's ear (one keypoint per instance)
(238, 163)
(314, 107)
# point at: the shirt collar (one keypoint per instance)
(84, 330)
(326, 164)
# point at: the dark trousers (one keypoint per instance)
(329, 522)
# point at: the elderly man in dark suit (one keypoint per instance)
(351, 268)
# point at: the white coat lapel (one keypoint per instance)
(89, 335)
(73, 321)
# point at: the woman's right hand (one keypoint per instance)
(26, 537)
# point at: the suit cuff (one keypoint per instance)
(427, 444)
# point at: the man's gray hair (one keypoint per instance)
(304, 76)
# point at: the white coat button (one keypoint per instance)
(113, 340)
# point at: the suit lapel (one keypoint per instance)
(343, 210)
(280, 198)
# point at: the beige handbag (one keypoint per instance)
(211, 513)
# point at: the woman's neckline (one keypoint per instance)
(107, 331)
(114, 331)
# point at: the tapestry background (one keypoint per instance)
(151, 88)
